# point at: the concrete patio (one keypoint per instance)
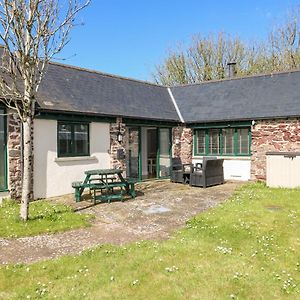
(159, 209)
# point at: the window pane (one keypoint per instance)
(214, 142)
(243, 141)
(200, 141)
(228, 140)
(164, 158)
(81, 138)
(64, 139)
(132, 153)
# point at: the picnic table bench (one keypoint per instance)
(102, 180)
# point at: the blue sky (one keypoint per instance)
(130, 37)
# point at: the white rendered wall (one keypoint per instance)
(235, 168)
(53, 176)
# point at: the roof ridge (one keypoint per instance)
(105, 74)
(238, 78)
(175, 105)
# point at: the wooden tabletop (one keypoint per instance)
(103, 172)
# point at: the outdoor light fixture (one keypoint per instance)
(119, 135)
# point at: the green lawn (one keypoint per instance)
(247, 248)
(43, 218)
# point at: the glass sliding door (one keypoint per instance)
(148, 152)
(164, 152)
(149, 148)
(133, 153)
(3, 183)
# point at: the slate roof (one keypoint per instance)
(248, 98)
(76, 90)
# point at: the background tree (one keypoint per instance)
(33, 32)
(284, 43)
(206, 58)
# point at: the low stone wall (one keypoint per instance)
(272, 135)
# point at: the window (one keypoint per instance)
(222, 141)
(214, 141)
(73, 139)
(242, 141)
(228, 141)
(201, 142)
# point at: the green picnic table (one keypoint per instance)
(103, 180)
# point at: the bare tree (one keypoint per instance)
(284, 42)
(33, 32)
(206, 57)
(174, 71)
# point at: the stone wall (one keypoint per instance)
(183, 144)
(14, 156)
(176, 144)
(272, 135)
(115, 128)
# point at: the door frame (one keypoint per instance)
(5, 187)
(140, 124)
(157, 152)
(128, 164)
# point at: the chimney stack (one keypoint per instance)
(231, 69)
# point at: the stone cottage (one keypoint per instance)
(87, 119)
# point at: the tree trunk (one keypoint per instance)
(27, 168)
